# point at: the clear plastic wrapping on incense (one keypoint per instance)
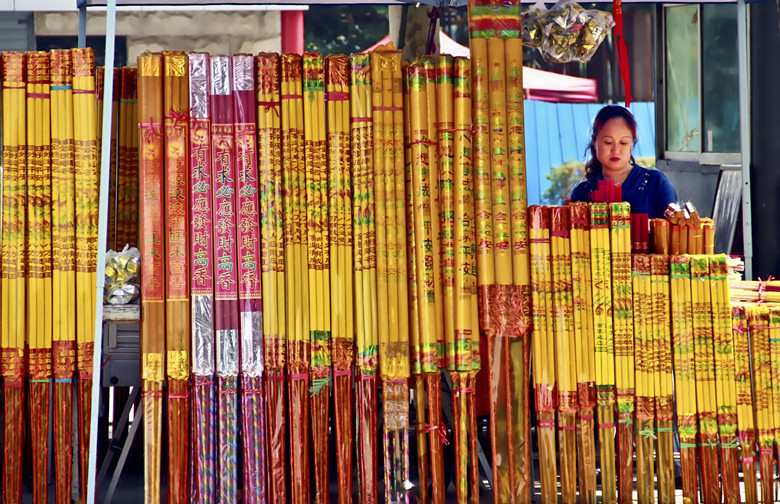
(201, 242)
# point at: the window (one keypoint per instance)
(702, 85)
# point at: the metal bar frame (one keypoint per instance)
(105, 167)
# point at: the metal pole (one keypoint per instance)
(105, 166)
(744, 133)
(82, 23)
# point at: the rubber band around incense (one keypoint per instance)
(63, 274)
(152, 239)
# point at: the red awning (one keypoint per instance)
(537, 84)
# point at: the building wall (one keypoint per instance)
(217, 32)
(765, 130)
(16, 32)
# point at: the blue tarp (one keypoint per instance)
(556, 133)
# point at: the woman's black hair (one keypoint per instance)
(593, 166)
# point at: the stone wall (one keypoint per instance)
(216, 32)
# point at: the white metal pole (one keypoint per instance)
(82, 41)
(744, 133)
(105, 167)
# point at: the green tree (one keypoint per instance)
(563, 178)
(344, 29)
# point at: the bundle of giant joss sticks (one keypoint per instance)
(366, 219)
(313, 202)
(49, 253)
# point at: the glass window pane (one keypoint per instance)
(720, 78)
(683, 133)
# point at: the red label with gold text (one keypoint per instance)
(224, 212)
(152, 240)
(247, 217)
(176, 209)
(200, 203)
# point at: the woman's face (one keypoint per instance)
(613, 147)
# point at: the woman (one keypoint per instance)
(614, 135)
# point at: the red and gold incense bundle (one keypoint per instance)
(684, 372)
(297, 278)
(365, 263)
(502, 235)
(249, 280)
(39, 266)
(177, 292)
(706, 390)
(457, 250)
(645, 386)
(202, 271)
(543, 348)
(127, 162)
(318, 261)
(63, 274)
(466, 328)
(152, 241)
(14, 269)
(746, 415)
(391, 254)
(86, 198)
(226, 306)
(663, 377)
(600, 251)
(424, 180)
(620, 246)
(725, 383)
(341, 278)
(565, 350)
(759, 320)
(269, 135)
(584, 338)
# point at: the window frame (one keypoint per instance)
(702, 157)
